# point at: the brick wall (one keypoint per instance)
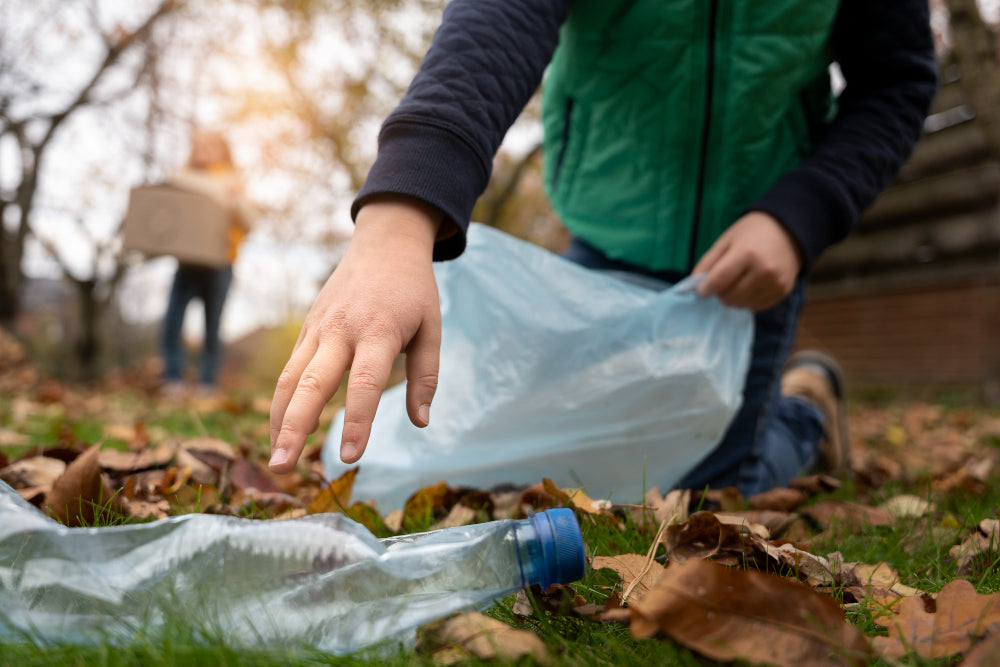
(921, 335)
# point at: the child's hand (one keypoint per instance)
(381, 300)
(754, 264)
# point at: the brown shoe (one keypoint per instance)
(819, 379)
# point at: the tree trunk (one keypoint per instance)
(87, 347)
(974, 46)
(8, 287)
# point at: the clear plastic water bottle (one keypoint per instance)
(321, 580)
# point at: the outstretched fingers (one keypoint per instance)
(423, 358)
(367, 380)
(307, 383)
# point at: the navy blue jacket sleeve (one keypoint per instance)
(485, 62)
(886, 53)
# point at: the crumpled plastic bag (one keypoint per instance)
(552, 370)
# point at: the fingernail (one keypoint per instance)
(424, 412)
(278, 457)
(348, 450)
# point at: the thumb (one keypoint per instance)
(422, 362)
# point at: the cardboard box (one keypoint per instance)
(168, 220)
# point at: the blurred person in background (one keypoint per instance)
(209, 168)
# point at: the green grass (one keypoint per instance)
(917, 549)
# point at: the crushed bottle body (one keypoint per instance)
(322, 580)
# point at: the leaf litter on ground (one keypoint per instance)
(700, 542)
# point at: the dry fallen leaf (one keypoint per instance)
(82, 492)
(879, 584)
(460, 515)
(813, 485)
(631, 567)
(984, 654)
(779, 500)
(394, 520)
(672, 508)
(775, 523)
(980, 548)
(811, 569)
(703, 535)
(336, 496)
(558, 599)
(9, 438)
(726, 499)
(830, 512)
(907, 506)
(432, 502)
(32, 472)
(143, 509)
(727, 614)
(478, 636)
(941, 627)
(134, 461)
(248, 476)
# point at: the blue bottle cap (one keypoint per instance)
(562, 546)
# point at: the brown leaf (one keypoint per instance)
(32, 472)
(543, 496)
(270, 503)
(631, 567)
(971, 478)
(394, 520)
(135, 435)
(984, 654)
(979, 550)
(831, 512)
(728, 614)
(703, 535)
(813, 570)
(743, 521)
(195, 468)
(9, 438)
(143, 509)
(432, 502)
(672, 508)
(953, 622)
(478, 636)
(369, 517)
(776, 523)
(213, 452)
(779, 500)
(336, 496)
(557, 599)
(246, 476)
(813, 485)
(81, 493)
(581, 501)
(460, 515)
(116, 461)
(727, 499)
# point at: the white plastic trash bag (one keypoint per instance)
(552, 370)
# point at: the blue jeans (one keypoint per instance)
(211, 286)
(772, 438)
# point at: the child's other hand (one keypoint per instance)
(381, 300)
(754, 264)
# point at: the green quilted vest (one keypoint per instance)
(664, 120)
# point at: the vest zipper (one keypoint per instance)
(567, 114)
(713, 11)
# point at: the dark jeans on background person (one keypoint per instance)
(211, 286)
(772, 438)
